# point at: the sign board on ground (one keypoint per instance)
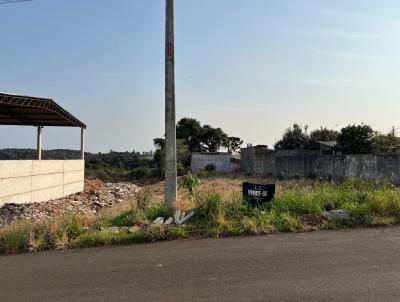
(257, 194)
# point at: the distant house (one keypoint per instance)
(221, 162)
(327, 147)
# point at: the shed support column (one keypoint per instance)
(82, 143)
(39, 142)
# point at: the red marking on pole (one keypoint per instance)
(169, 49)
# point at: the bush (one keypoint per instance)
(128, 218)
(210, 210)
(210, 168)
(143, 198)
(155, 211)
(141, 172)
(14, 239)
(190, 182)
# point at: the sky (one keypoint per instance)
(251, 67)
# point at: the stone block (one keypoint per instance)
(40, 182)
(75, 176)
(48, 194)
(14, 186)
(40, 167)
(73, 188)
(74, 165)
(15, 168)
(18, 198)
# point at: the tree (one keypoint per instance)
(356, 139)
(159, 143)
(233, 144)
(322, 134)
(189, 130)
(182, 155)
(198, 138)
(213, 138)
(293, 138)
(385, 143)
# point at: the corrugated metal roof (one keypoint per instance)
(34, 111)
(328, 143)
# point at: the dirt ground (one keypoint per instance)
(228, 186)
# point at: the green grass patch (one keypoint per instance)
(296, 208)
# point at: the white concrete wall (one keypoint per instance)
(221, 161)
(23, 181)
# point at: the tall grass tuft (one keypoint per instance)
(297, 207)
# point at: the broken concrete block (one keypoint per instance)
(169, 221)
(177, 215)
(159, 221)
(337, 214)
(186, 218)
(116, 230)
(135, 229)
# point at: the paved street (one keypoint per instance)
(350, 265)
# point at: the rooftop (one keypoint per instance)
(328, 143)
(34, 111)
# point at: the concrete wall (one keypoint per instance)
(305, 163)
(221, 161)
(23, 181)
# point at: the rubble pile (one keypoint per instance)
(96, 196)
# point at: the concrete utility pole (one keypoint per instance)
(170, 128)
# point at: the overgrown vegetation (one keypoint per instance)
(352, 139)
(298, 206)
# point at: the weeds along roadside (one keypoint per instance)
(296, 208)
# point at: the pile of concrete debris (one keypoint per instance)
(97, 196)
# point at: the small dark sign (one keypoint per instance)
(256, 194)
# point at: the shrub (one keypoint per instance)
(14, 239)
(128, 218)
(210, 210)
(190, 182)
(143, 198)
(155, 211)
(210, 168)
(141, 172)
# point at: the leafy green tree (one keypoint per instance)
(356, 139)
(385, 143)
(233, 144)
(213, 138)
(190, 130)
(293, 138)
(322, 134)
(182, 154)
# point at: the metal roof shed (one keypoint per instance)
(38, 112)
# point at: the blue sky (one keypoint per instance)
(251, 67)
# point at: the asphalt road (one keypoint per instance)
(351, 265)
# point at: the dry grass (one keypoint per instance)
(219, 211)
(226, 186)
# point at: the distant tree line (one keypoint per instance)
(111, 166)
(125, 166)
(353, 139)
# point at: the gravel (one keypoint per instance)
(97, 196)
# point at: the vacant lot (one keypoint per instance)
(299, 206)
